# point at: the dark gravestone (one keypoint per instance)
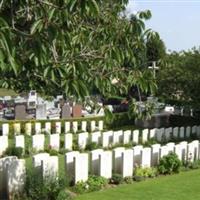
(65, 111)
(77, 111)
(20, 112)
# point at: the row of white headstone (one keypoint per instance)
(36, 128)
(104, 139)
(98, 162)
(166, 134)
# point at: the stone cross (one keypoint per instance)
(154, 68)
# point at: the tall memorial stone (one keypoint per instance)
(41, 111)
(77, 111)
(65, 111)
(20, 112)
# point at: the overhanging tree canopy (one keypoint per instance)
(72, 47)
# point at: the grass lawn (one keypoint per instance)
(6, 92)
(184, 186)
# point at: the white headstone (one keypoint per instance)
(163, 151)
(58, 127)
(117, 159)
(4, 163)
(184, 145)
(135, 136)
(28, 128)
(69, 164)
(191, 152)
(96, 137)
(100, 125)
(75, 126)
(68, 141)
(175, 132)
(127, 137)
(15, 173)
(83, 140)
(152, 133)
(198, 131)
(5, 129)
(94, 160)
(146, 157)
(105, 164)
(67, 127)
(137, 155)
(17, 128)
(188, 131)
(159, 134)
(3, 144)
(117, 137)
(92, 125)
(81, 167)
(38, 142)
(196, 149)
(55, 141)
(107, 138)
(155, 150)
(38, 128)
(84, 126)
(145, 133)
(178, 151)
(170, 146)
(38, 158)
(50, 167)
(127, 163)
(19, 141)
(48, 127)
(194, 130)
(168, 132)
(182, 132)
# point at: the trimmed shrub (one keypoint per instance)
(142, 173)
(96, 183)
(116, 179)
(169, 164)
(14, 151)
(91, 146)
(128, 180)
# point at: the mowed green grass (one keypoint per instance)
(183, 186)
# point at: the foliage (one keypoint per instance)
(14, 151)
(37, 188)
(169, 164)
(63, 195)
(81, 187)
(94, 183)
(176, 70)
(91, 146)
(128, 180)
(145, 172)
(83, 57)
(116, 179)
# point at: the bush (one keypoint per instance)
(147, 172)
(128, 180)
(14, 151)
(37, 188)
(91, 146)
(96, 183)
(63, 195)
(81, 187)
(169, 164)
(116, 179)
